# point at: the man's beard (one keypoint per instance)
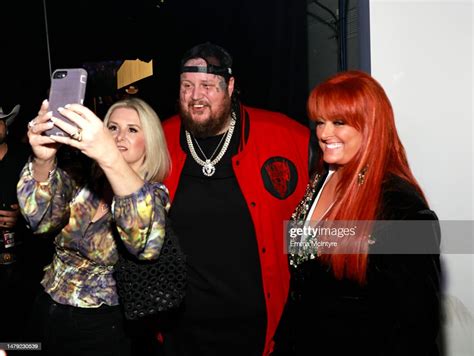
(215, 124)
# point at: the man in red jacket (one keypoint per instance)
(237, 174)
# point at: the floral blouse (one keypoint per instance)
(81, 273)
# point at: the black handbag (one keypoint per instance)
(148, 287)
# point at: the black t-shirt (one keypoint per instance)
(224, 308)
(10, 169)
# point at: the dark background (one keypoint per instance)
(267, 39)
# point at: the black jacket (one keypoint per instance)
(395, 313)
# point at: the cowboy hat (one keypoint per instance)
(11, 116)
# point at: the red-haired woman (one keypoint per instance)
(365, 280)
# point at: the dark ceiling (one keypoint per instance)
(267, 39)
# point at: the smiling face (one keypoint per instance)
(339, 141)
(124, 124)
(205, 101)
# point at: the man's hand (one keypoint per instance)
(8, 218)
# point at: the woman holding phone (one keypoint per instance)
(122, 202)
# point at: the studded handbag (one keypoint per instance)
(148, 287)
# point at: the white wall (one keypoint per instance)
(422, 53)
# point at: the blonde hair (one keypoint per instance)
(157, 162)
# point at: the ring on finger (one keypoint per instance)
(77, 135)
(32, 123)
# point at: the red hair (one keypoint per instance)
(361, 101)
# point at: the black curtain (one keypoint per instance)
(274, 55)
(267, 39)
(24, 61)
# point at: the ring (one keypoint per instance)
(32, 123)
(77, 135)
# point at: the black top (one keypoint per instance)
(10, 169)
(395, 313)
(224, 309)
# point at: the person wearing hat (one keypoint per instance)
(238, 173)
(13, 156)
(13, 281)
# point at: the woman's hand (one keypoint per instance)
(44, 148)
(90, 136)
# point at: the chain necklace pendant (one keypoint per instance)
(208, 169)
(209, 165)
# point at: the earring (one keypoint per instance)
(361, 176)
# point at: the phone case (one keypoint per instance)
(68, 86)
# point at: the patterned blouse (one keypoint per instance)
(85, 251)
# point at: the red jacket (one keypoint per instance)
(271, 168)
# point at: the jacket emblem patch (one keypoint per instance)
(279, 177)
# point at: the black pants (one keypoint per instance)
(66, 330)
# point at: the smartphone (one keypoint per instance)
(68, 86)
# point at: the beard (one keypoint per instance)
(215, 123)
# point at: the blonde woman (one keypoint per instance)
(123, 202)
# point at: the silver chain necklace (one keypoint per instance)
(209, 165)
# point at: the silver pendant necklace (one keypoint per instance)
(209, 165)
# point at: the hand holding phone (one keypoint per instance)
(68, 86)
